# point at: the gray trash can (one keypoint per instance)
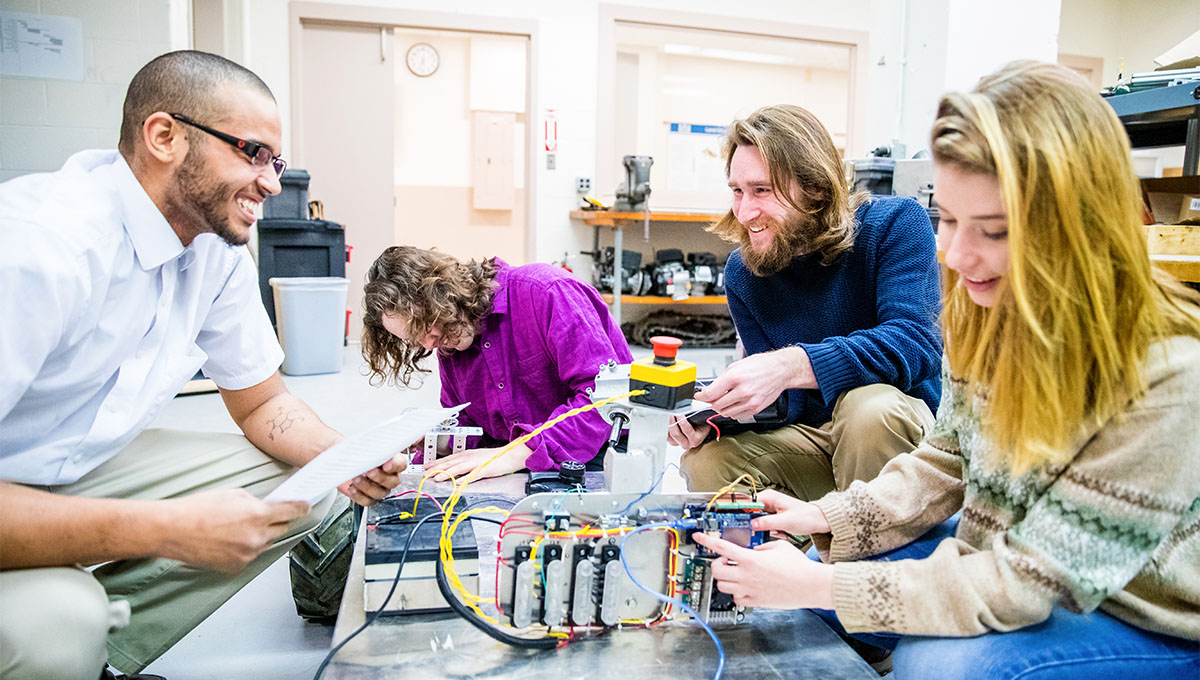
(310, 314)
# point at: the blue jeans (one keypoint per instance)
(1065, 646)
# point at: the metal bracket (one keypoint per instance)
(445, 439)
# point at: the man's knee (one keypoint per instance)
(882, 409)
(55, 625)
(710, 466)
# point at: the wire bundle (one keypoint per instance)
(467, 604)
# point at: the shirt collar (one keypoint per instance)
(500, 296)
(154, 241)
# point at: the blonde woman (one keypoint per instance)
(1067, 440)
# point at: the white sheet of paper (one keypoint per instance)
(356, 454)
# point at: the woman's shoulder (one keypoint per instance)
(1172, 366)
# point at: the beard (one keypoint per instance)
(204, 200)
(790, 239)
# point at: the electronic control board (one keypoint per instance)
(571, 559)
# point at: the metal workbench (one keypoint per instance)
(770, 644)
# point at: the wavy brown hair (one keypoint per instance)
(427, 289)
(797, 147)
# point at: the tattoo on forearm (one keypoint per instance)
(282, 422)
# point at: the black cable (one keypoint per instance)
(472, 618)
(395, 582)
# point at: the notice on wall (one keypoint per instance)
(41, 46)
(694, 158)
(550, 130)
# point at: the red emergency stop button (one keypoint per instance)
(665, 348)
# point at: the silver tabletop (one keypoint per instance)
(769, 644)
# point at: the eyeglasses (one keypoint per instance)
(259, 154)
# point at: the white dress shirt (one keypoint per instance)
(105, 315)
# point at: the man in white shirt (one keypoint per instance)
(120, 276)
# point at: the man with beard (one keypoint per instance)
(120, 276)
(835, 298)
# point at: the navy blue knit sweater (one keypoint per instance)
(869, 317)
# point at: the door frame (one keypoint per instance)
(388, 19)
(610, 14)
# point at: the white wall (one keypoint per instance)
(43, 121)
(1134, 31)
(566, 73)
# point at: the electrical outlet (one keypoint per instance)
(583, 185)
(550, 161)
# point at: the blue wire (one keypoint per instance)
(652, 488)
(708, 629)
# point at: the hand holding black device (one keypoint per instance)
(771, 417)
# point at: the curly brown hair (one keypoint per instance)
(426, 288)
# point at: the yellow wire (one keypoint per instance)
(446, 553)
(421, 484)
(730, 487)
(454, 579)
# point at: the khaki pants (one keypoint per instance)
(870, 426)
(57, 622)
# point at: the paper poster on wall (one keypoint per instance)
(550, 130)
(694, 158)
(41, 46)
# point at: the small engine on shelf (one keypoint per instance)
(708, 277)
(671, 277)
(634, 280)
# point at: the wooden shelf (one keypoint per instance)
(663, 300)
(608, 218)
(1182, 267)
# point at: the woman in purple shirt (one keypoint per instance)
(521, 344)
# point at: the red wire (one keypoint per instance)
(713, 425)
(423, 495)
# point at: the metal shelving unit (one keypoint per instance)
(617, 221)
(1164, 116)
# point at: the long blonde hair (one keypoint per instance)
(1080, 305)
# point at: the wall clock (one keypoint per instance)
(422, 59)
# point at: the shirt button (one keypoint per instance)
(140, 353)
(500, 386)
(487, 345)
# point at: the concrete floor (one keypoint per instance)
(257, 634)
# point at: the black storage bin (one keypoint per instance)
(294, 247)
(292, 200)
(874, 175)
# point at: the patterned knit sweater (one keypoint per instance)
(1118, 527)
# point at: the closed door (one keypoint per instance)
(344, 117)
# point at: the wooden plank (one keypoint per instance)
(662, 300)
(1173, 239)
(1182, 267)
(608, 217)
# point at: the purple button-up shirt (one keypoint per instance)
(536, 353)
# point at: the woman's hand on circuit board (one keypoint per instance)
(789, 515)
(775, 574)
